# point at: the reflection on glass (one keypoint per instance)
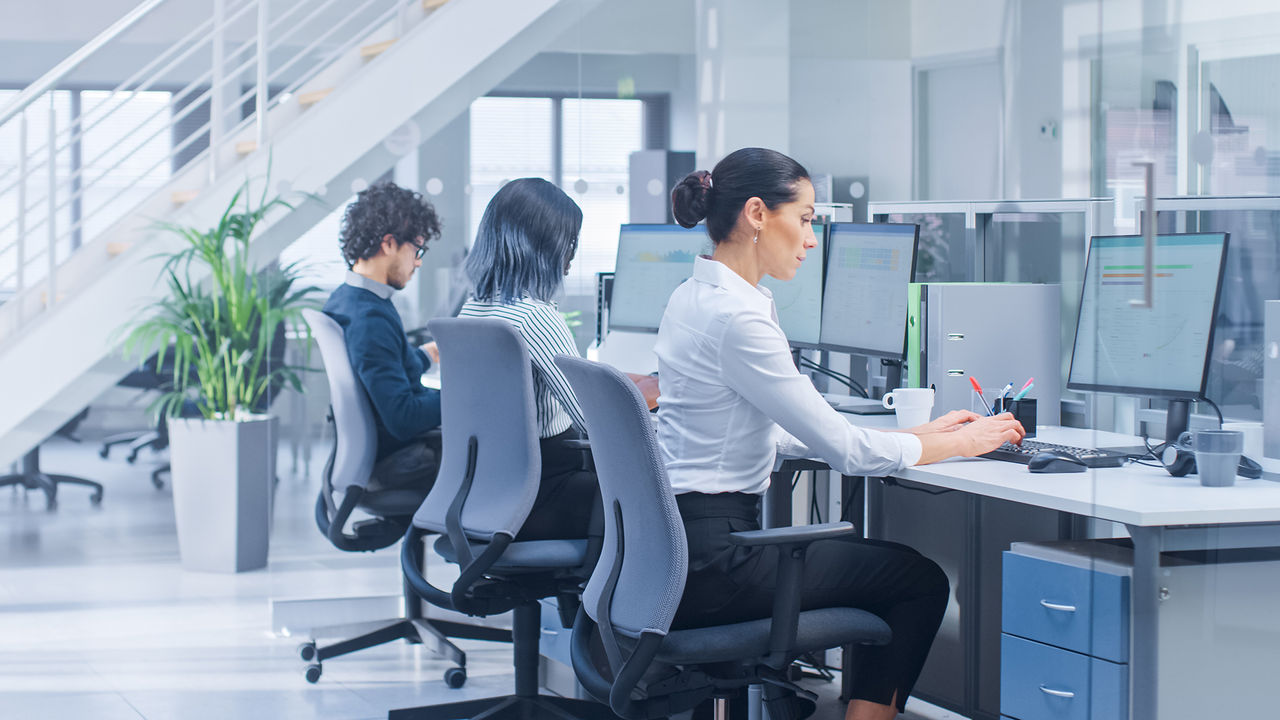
(1040, 248)
(943, 254)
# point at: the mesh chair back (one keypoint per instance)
(642, 569)
(486, 402)
(356, 434)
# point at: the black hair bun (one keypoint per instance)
(691, 197)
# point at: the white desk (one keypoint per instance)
(1162, 513)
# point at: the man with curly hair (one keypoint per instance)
(384, 234)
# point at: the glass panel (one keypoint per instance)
(944, 254)
(1249, 280)
(1033, 247)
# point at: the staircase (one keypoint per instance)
(317, 109)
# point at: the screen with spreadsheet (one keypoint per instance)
(1157, 351)
(864, 299)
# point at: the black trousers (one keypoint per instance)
(728, 584)
(568, 503)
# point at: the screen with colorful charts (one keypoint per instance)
(652, 262)
(1157, 351)
(864, 301)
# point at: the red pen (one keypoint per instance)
(978, 389)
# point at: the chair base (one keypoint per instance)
(510, 707)
(434, 633)
(32, 478)
(137, 441)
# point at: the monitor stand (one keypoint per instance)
(1177, 420)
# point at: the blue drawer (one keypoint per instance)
(1070, 607)
(556, 641)
(1040, 682)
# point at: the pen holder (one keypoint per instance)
(1024, 411)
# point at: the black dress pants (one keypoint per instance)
(568, 503)
(729, 583)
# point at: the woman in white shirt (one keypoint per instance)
(731, 396)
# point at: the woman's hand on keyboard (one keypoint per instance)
(982, 435)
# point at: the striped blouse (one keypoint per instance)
(546, 334)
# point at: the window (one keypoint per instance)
(126, 147)
(39, 114)
(592, 142)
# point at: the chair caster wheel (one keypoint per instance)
(307, 651)
(313, 673)
(455, 677)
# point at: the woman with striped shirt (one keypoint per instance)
(526, 241)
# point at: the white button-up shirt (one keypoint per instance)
(731, 397)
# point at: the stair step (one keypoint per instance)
(376, 49)
(432, 4)
(117, 248)
(246, 147)
(311, 98)
(182, 197)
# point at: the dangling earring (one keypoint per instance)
(756, 239)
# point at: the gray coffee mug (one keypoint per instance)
(1218, 456)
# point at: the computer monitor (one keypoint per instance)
(799, 300)
(652, 262)
(1162, 351)
(864, 299)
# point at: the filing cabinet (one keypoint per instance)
(1065, 642)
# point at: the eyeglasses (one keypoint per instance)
(421, 250)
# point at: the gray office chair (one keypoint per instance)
(632, 596)
(346, 473)
(488, 480)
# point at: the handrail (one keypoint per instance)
(68, 207)
(50, 80)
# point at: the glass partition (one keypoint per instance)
(1249, 280)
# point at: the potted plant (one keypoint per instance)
(222, 324)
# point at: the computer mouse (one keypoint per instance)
(1052, 461)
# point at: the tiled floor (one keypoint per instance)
(98, 620)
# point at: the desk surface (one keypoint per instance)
(1134, 494)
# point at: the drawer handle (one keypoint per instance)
(1057, 693)
(1056, 606)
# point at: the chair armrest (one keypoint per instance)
(791, 543)
(795, 535)
(580, 444)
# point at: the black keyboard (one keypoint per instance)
(1091, 457)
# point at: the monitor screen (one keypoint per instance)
(799, 300)
(1161, 351)
(864, 299)
(652, 262)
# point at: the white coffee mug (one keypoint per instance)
(913, 406)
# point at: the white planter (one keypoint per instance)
(223, 474)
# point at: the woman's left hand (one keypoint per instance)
(951, 421)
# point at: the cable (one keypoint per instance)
(894, 483)
(838, 377)
(1214, 405)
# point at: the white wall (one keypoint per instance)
(851, 91)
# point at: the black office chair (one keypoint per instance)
(647, 669)
(488, 480)
(346, 475)
(32, 477)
